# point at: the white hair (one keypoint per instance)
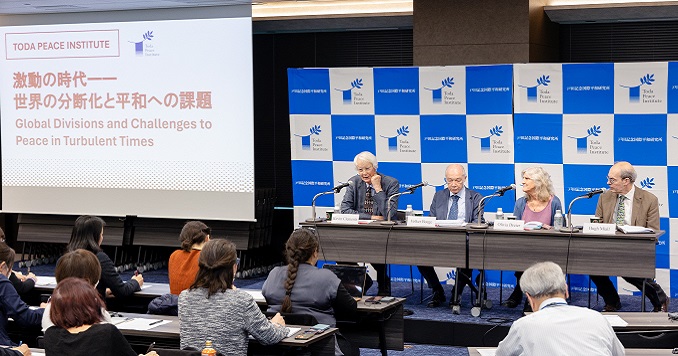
(543, 279)
(366, 156)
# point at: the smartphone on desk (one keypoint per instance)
(319, 328)
(387, 299)
(305, 335)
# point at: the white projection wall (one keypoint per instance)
(147, 118)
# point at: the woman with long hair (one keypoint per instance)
(213, 309)
(301, 287)
(88, 234)
(538, 204)
(183, 264)
(76, 310)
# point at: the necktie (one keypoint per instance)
(621, 211)
(454, 209)
(369, 202)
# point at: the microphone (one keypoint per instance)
(342, 186)
(414, 187)
(505, 189)
(595, 192)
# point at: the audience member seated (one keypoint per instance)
(302, 288)
(78, 329)
(556, 328)
(79, 264)
(88, 234)
(11, 305)
(22, 284)
(213, 309)
(183, 264)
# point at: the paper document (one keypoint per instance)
(292, 331)
(44, 281)
(628, 229)
(616, 320)
(487, 351)
(141, 324)
(255, 293)
(145, 286)
(450, 223)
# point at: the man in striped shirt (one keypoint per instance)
(557, 328)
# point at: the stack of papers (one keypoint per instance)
(615, 320)
(44, 281)
(628, 229)
(137, 323)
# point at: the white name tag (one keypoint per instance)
(348, 219)
(509, 225)
(429, 221)
(599, 229)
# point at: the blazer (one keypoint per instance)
(439, 205)
(645, 211)
(354, 198)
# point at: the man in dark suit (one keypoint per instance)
(368, 197)
(454, 203)
(626, 204)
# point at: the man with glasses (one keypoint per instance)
(368, 197)
(626, 204)
(454, 203)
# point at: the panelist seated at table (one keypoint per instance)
(457, 202)
(183, 264)
(302, 288)
(557, 328)
(213, 309)
(11, 305)
(76, 310)
(79, 264)
(538, 204)
(88, 234)
(368, 197)
(626, 204)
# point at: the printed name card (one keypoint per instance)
(347, 219)
(428, 221)
(599, 229)
(509, 225)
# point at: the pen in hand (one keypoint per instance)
(150, 348)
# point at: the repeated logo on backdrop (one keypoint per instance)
(575, 120)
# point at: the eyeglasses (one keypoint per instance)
(613, 180)
(455, 180)
(364, 169)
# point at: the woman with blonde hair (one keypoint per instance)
(538, 204)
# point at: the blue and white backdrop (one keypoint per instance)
(575, 120)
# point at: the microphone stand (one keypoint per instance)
(315, 218)
(388, 210)
(571, 228)
(481, 207)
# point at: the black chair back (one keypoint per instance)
(296, 318)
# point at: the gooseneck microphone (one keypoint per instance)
(336, 189)
(570, 228)
(594, 192)
(414, 187)
(505, 189)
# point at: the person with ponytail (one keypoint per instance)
(213, 309)
(302, 288)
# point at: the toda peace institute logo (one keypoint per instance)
(536, 94)
(350, 96)
(638, 94)
(437, 93)
(399, 145)
(593, 145)
(309, 143)
(144, 47)
(647, 183)
(490, 144)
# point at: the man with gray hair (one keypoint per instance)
(557, 328)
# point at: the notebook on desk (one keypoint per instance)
(352, 277)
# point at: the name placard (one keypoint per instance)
(509, 225)
(347, 219)
(599, 229)
(429, 221)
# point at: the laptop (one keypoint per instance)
(352, 277)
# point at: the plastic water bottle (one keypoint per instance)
(558, 220)
(208, 350)
(409, 211)
(500, 214)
